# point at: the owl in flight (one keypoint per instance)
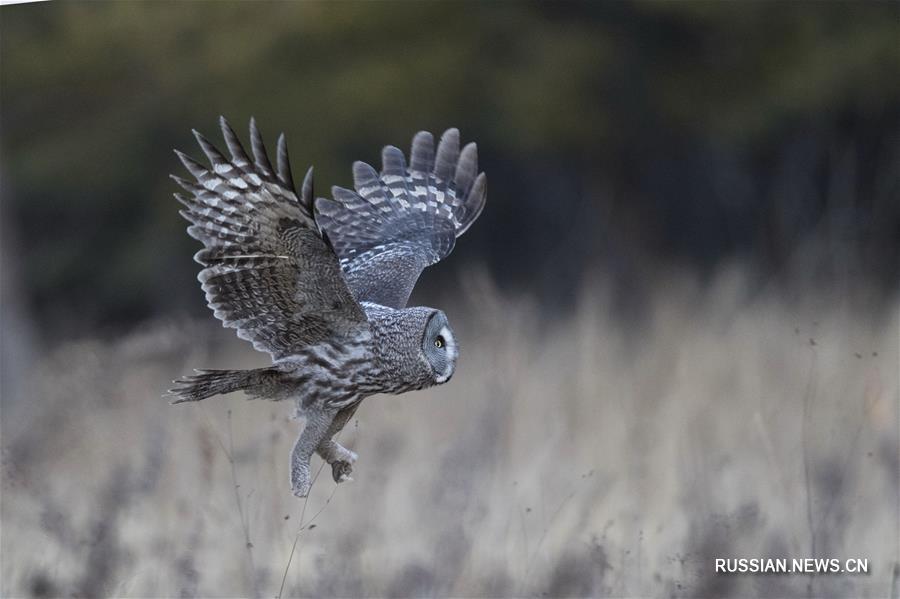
(322, 284)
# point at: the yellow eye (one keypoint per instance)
(439, 342)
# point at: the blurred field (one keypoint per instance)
(580, 456)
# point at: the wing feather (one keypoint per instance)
(447, 155)
(421, 155)
(466, 169)
(403, 219)
(306, 192)
(260, 157)
(284, 164)
(238, 156)
(268, 272)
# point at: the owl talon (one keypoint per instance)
(340, 471)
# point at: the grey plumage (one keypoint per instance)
(268, 273)
(322, 286)
(399, 222)
(206, 383)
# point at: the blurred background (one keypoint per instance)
(678, 311)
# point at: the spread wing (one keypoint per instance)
(268, 271)
(404, 219)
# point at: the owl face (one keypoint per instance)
(439, 347)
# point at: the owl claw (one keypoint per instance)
(340, 471)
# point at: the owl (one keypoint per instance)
(321, 285)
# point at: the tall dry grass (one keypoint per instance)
(578, 455)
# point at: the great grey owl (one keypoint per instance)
(322, 285)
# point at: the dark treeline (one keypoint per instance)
(620, 139)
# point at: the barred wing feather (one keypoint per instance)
(403, 219)
(268, 272)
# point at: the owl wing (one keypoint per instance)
(268, 272)
(403, 219)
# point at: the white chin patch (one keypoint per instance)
(452, 353)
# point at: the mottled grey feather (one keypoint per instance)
(421, 156)
(447, 155)
(268, 272)
(402, 220)
(284, 164)
(260, 157)
(467, 167)
(238, 155)
(307, 192)
(206, 383)
(392, 161)
(471, 210)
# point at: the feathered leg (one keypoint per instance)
(317, 423)
(340, 458)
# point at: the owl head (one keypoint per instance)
(439, 347)
(416, 347)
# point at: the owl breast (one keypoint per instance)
(333, 374)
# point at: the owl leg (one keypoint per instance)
(340, 458)
(318, 422)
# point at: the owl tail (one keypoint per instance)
(207, 383)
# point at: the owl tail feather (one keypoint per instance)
(207, 383)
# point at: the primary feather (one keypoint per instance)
(268, 272)
(404, 219)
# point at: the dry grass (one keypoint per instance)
(577, 456)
